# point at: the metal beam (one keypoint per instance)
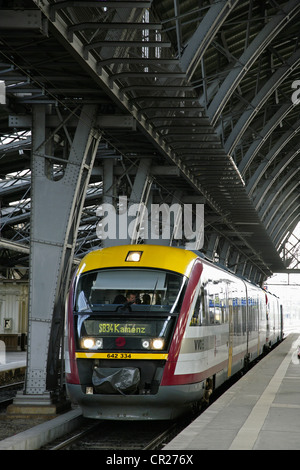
(260, 99)
(14, 246)
(263, 135)
(20, 19)
(156, 170)
(276, 179)
(282, 200)
(289, 223)
(204, 34)
(272, 154)
(279, 222)
(104, 122)
(273, 27)
(108, 4)
(111, 26)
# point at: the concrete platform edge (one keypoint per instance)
(34, 438)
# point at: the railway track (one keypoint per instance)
(131, 435)
(107, 435)
(8, 392)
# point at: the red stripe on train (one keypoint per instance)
(168, 375)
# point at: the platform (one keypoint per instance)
(13, 360)
(12, 364)
(260, 412)
(40, 435)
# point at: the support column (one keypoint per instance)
(120, 223)
(197, 228)
(139, 199)
(241, 266)
(108, 185)
(174, 223)
(224, 254)
(212, 246)
(56, 208)
(233, 261)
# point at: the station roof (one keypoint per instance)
(207, 90)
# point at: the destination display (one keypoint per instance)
(94, 327)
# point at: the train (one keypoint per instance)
(152, 330)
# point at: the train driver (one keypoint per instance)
(131, 297)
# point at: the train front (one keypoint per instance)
(122, 314)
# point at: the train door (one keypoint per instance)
(281, 322)
(230, 336)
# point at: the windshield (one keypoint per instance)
(137, 289)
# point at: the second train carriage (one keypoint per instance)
(192, 323)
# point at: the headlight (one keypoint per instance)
(158, 343)
(88, 343)
(155, 343)
(99, 343)
(92, 343)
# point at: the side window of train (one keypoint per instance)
(224, 304)
(217, 303)
(212, 307)
(199, 315)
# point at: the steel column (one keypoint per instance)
(108, 191)
(55, 214)
(139, 198)
(213, 242)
